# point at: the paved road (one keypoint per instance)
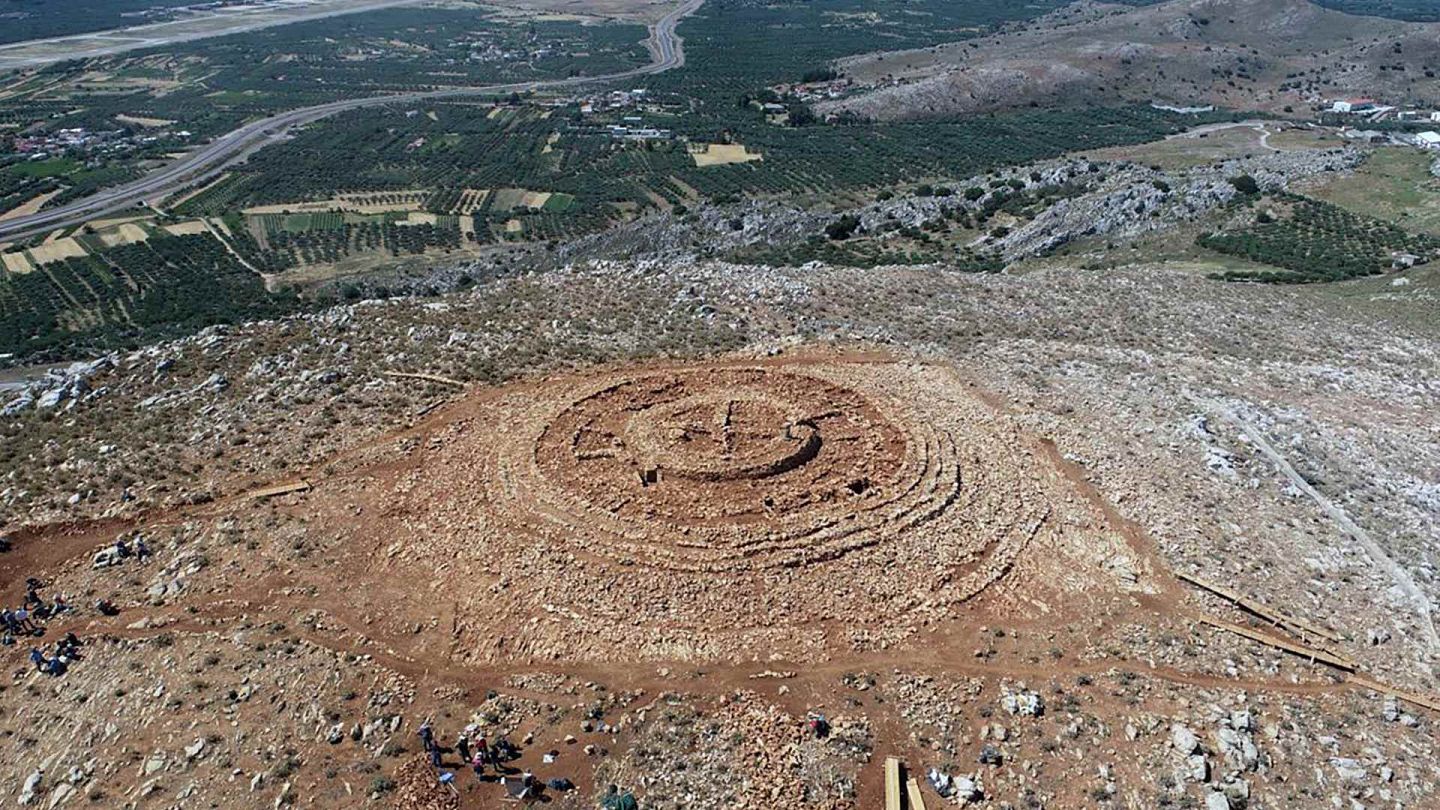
(666, 52)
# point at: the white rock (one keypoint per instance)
(1183, 739)
(1348, 770)
(61, 794)
(31, 787)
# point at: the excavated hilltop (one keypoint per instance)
(1097, 537)
(725, 510)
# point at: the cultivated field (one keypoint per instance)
(1395, 185)
(721, 154)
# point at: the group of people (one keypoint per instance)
(27, 621)
(478, 753)
(475, 751)
(67, 651)
(123, 550)
(28, 618)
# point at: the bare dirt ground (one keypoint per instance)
(969, 557)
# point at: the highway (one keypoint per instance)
(666, 53)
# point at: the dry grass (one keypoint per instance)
(63, 248)
(376, 202)
(142, 121)
(126, 234)
(1395, 184)
(16, 263)
(31, 206)
(721, 154)
(187, 228)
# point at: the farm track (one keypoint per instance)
(665, 46)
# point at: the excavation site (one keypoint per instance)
(720, 511)
(796, 577)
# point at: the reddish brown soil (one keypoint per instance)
(820, 515)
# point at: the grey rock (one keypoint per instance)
(1238, 748)
(52, 398)
(1348, 770)
(1237, 791)
(61, 794)
(30, 790)
(1197, 768)
(1183, 739)
(1242, 720)
(1025, 704)
(19, 405)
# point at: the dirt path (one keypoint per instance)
(1404, 582)
(215, 232)
(365, 605)
(42, 549)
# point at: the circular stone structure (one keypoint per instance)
(715, 508)
(718, 469)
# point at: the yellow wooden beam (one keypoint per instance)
(1279, 643)
(912, 789)
(1263, 611)
(892, 783)
(278, 489)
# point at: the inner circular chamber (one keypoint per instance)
(721, 446)
(720, 436)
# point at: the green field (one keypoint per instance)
(558, 203)
(1395, 185)
(55, 167)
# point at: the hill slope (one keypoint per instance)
(1248, 54)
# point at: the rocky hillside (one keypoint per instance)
(1243, 54)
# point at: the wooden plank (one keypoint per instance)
(278, 489)
(892, 783)
(435, 378)
(1423, 701)
(912, 790)
(1281, 644)
(1264, 612)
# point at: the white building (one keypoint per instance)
(1353, 105)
